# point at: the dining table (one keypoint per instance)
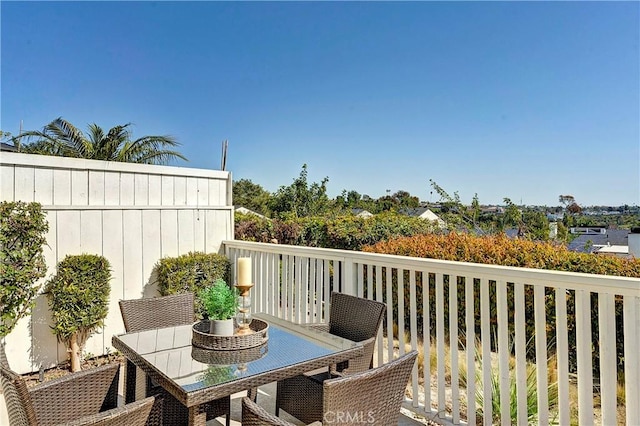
(195, 376)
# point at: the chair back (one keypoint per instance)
(373, 396)
(16, 395)
(354, 318)
(157, 312)
(255, 415)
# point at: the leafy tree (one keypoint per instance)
(513, 216)
(61, 138)
(251, 196)
(301, 199)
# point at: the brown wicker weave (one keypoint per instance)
(255, 415)
(84, 398)
(159, 312)
(351, 317)
(369, 397)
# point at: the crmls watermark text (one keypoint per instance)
(349, 417)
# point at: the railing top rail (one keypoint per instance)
(569, 280)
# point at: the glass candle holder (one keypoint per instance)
(243, 318)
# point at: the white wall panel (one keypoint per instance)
(111, 189)
(24, 183)
(155, 190)
(151, 249)
(185, 230)
(96, 188)
(203, 192)
(79, 188)
(6, 182)
(141, 191)
(192, 191)
(167, 183)
(169, 232)
(132, 234)
(61, 187)
(180, 190)
(43, 186)
(127, 189)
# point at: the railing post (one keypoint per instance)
(350, 278)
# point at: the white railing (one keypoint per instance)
(508, 305)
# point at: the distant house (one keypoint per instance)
(7, 147)
(361, 213)
(424, 213)
(245, 210)
(597, 239)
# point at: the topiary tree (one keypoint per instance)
(79, 300)
(22, 236)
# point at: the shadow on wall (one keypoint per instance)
(42, 337)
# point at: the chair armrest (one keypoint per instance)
(76, 395)
(356, 365)
(136, 413)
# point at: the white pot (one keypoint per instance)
(222, 327)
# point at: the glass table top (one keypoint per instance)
(170, 352)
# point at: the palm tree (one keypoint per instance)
(63, 139)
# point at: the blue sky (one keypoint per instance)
(526, 100)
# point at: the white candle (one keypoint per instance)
(244, 270)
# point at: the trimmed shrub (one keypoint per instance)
(22, 236)
(191, 272)
(79, 300)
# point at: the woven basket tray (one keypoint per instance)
(241, 356)
(203, 339)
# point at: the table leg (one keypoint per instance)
(197, 416)
(129, 382)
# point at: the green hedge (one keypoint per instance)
(23, 229)
(191, 272)
(345, 232)
(500, 250)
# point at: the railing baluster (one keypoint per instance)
(541, 355)
(562, 356)
(440, 344)
(585, 363)
(471, 349)
(487, 409)
(401, 308)
(521, 350)
(413, 330)
(453, 347)
(389, 312)
(608, 379)
(503, 352)
(379, 298)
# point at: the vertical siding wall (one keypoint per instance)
(132, 214)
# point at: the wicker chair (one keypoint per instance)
(88, 397)
(158, 312)
(372, 397)
(351, 317)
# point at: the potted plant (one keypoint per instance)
(220, 303)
